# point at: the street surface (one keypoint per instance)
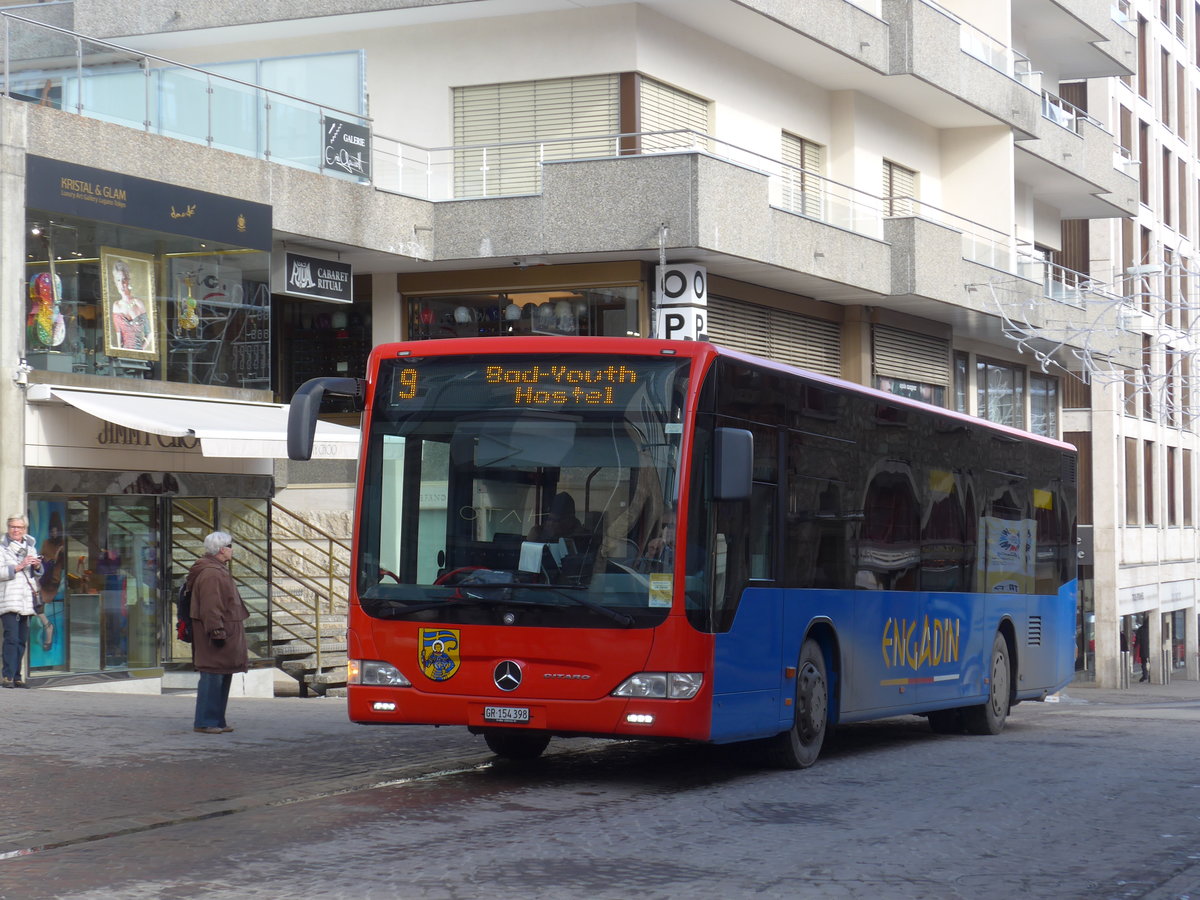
(114, 796)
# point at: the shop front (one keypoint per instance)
(119, 516)
(149, 419)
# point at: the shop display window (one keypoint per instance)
(610, 312)
(108, 299)
(322, 339)
(100, 583)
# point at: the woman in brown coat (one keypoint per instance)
(219, 642)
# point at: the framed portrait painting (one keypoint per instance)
(127, 279)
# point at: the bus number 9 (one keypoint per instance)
(408, 384)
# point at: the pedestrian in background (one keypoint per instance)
(1143, 647)
(219, 635)
(20, 596)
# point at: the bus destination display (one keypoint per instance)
(537, 384)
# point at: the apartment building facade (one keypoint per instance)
(904, 193)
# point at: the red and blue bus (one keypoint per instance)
(633, 538)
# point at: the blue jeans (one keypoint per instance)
(212, 696)
(16, 637)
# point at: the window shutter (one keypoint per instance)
(802, 186)
(909, 356)
(559, 108)
(778, 334)
(899, 189)
(664, 108)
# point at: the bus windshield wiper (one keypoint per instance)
(619, 617)
(449, 600)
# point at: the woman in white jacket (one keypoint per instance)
(20, 568)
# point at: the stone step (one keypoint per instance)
(288, 633)
(302, 668)
(304, 649)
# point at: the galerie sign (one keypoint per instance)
(347, 148)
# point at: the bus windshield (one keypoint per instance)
(532, 486)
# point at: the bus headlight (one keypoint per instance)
(661, 685)
(371, 671)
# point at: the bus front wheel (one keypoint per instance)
(800, 745)
(989, 717)
(514, 744)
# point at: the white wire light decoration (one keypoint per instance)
(1132, 332)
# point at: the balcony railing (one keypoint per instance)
(1122, 14)
(1060, 112)
(57, 68)
(991, 52)
(514, 168)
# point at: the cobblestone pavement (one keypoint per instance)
(115, 796)
(80, 765)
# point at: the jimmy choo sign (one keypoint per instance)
(119, 435)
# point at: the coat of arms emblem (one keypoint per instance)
(438, 652)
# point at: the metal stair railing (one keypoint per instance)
(317, 582)
(305, 566)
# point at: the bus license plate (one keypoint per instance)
(505, 714)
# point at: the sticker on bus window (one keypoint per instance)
(660, 590)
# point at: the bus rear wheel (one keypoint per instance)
(989, 717)
(513, 744)
(800, 745)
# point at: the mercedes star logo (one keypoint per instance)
(507, 676)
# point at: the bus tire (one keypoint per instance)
(989, 717)
(515, 744)
(800, 745)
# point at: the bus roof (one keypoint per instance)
(700, 350)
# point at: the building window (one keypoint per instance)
(1000, 393)
(608, 311)
(804, 164)
(1147, 385)
(1148, 484)
(571, 117)
(899, 189)
(663, 109)
(1129, 386)
(1043, 405)
(1186, 483)
(107, 299)
(1132, 504)
(1171, 394)
(961, 385)
(1172, 507)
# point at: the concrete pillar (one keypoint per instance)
(856, 345)
(1108, 511)
(13, 304)
(387, 313)
(1191, 647)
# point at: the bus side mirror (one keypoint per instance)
(306, 406)
(733, 453)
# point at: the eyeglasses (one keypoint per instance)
(228, 546)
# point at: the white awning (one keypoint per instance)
(252, 430)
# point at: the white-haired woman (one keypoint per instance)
(219, 635)
(19, 597)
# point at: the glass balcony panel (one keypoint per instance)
(293, 134)
(181, 108)
(111, 86)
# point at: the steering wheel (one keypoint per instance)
(456, 575)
